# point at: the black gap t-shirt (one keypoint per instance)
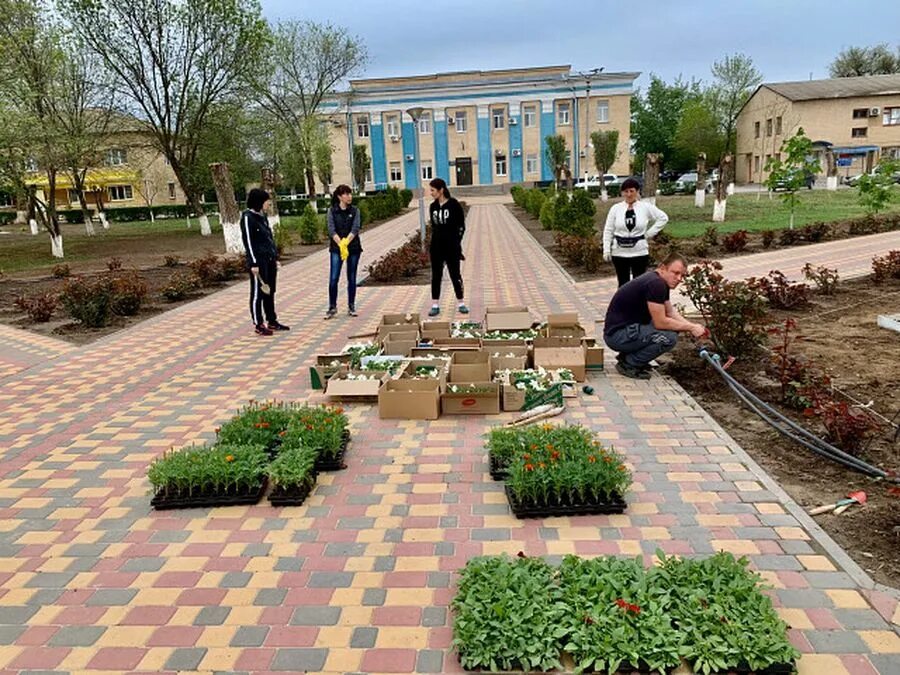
(629, 304)
(630, 220)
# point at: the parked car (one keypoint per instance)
(594, 181)
(809, 180)
(688, 182)
(668, 176)
(853, 181)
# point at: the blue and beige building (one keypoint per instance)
(478, 128)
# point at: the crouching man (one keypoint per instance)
(641, 322)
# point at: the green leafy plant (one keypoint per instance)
(794, 171)
(128, 291)
(88, 301)
(876, 190)
(180, 285)
(825, 279)
(217, 469)
(322, 428)
(293, 469)
(260, 424)
(309, 226)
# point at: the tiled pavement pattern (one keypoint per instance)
(359, 578)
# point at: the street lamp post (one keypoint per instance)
(416, 114)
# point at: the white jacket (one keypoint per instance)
(645, 214)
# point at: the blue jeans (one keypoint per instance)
(641, 343)
(334, 277)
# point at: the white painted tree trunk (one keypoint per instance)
(56, 245)
(205, 229)
(604, 195)
(792, 221)
(700, 198)
(103, 220)
(152, 217)
(275, 222)
(21, 217)
(719, 211)
(233, 241)
(831, 182)
(34, 226)
(730, 189)
(650, 200)
(89, 226)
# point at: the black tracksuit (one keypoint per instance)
(262, 253)
(448, 225)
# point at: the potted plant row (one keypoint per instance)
(292, 475)
(554, 470)
(615, 616)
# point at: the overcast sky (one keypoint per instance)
(787, 39)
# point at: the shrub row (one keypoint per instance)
(401, 262)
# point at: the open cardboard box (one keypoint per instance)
(457, 343)
(341, 384)
(406, 399)
(432, 330)
(401, 342)
(507, 358)
(507, 318)
(470, 367)
(442, 365)
(553, 353)
(565, 324)
(397, 322)
(593, 354)
(326, 366)
(486, 401)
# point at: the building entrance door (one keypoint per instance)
(463, 170)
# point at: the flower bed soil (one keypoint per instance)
(524, 510)
(842, 337)
(163, 501)
(335, 462)
(293, 497)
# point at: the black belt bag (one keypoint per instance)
(627, 242)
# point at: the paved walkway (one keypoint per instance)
(359, 578)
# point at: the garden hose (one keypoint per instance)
(791, 429)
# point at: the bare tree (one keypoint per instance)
(651, 176)
(726, 168)
(735, 79)
(267, 176)
(700, 190)
(172, 62)
(306, 63)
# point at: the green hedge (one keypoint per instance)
(7, 217)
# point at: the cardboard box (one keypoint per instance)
(593, 354)
(501, 359)
(486, 402)
(507, 318)
(397, 322)
(457, 343)
(561, 352)
(406, 399)
(442, 364)
(513, 399)
(435, 330)
(324, 368)
(470, 367)
(341, 385)
(400, 342)
(444, 352)
(501, 344)
(565, 324)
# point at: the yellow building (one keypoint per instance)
(857, 117)
(477, 128)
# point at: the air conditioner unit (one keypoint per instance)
(513, 121)
(451, 121)
(517, 153)
(410, 158)
(582, 154)
(874, 112)
(394, 139)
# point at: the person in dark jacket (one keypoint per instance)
(448, 225)
(343, 234)
(262, 262)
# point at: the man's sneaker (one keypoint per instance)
(620, 357)
(262, 329)
(274, 325)
(462, 309)
(434, 311)
(331, 313)
(352, 312)
(632, 372)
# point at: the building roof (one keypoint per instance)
(838, 87)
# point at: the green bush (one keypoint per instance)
(88, 301)
(365, 211)
(578, 215)
(309, 226)
(534, 202)
(71, 216)
(7, 217)
(405, 198)
(128, 291)
(548, 213)
(128, 214)
(293, 468)
(518, 194)
(180, 286)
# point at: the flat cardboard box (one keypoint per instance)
(469, 403)
(470, 367)
(565, 324)
(507, 318)
(340, 385)
(561, 352)
(518, 360)
(406, 399)
(435, 330)
(442, 364)
(322, 370)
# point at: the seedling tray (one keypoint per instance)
(162, 501)
(523, 510)
(774, 669)
(291, 497)
(335, 462)
(498, 472)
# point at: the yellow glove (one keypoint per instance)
(345, 248)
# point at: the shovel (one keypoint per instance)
(842, 504)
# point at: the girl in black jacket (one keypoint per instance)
(262, 262)
(343, 233)
(448, 225)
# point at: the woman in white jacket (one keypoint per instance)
(629, 226)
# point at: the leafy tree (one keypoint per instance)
(322, 159)
(735, 78)
(227, 137)
(858, 61)
(792, 172)
(698, 131)
(558, 158)
(606, 151)
(877, 190)
(361, 166)
(655, 116)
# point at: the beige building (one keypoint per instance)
(857, 117)
(477, 127)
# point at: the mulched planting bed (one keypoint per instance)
(163, 501)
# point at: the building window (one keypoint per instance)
(427, 171)
(531, 164)
(778, 126)
(425, 123)
(756, 129)
(120, 193)
(529, 112)
(393, 126)
(499, 115)
(769, 127)
(116, 157)
(891, 117)
(396, 174)
(362, 127)
(500, 165)
(171, 190)
(73, 196)
(563, 113)
(602, 112)
(756, 160)
(860, 113)
(768, 159)
(462, 122)
(860, 132)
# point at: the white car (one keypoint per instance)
(594, 181)
(689, 180)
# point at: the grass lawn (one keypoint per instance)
(752, 213)
(140, 243)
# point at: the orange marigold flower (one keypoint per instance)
(607, 459)
(526, 456)
(592, 459)
(229, 458)
(529, 467)
(533, 447)
(542, 465)
(555, 454)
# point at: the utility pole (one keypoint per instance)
(587, 116)
(416, 114)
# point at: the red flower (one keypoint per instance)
(526, 456)
(529, 467)
(588, 620)
(621, 603)
(554, 454)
